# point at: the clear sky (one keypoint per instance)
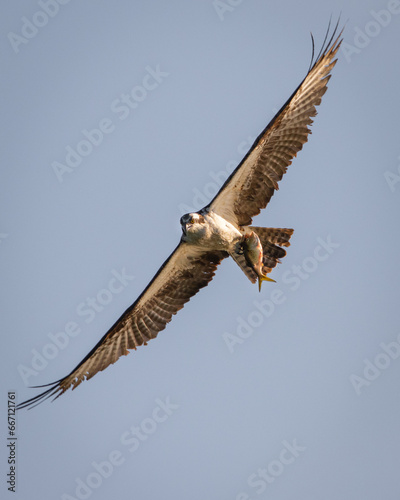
(291, 393)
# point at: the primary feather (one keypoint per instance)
(216, 231)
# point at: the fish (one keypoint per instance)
(253, 253)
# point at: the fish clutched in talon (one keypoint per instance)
(219, 230)
(253, 253)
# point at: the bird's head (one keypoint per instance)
(192, 225)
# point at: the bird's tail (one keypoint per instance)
(272, 241)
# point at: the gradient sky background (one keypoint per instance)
(290, 379)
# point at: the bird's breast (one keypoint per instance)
(220, 234)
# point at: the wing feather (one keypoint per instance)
(183, 274)
(252, 184)
(247, 190)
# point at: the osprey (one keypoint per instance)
(219, 230)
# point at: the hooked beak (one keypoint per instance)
(185, 227)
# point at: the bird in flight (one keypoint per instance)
(219, 230)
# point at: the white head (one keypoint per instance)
(193, 226)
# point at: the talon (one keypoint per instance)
(240, 248)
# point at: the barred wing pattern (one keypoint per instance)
(182, 275)
(188, 269)
(252, 184)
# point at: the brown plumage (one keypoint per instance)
(181, 276)
(252, 184)
(190, 268)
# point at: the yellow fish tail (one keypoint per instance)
(261, 278)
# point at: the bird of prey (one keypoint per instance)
(220, 229)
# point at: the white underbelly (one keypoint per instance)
(222, 234)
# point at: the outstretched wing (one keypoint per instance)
(252, 184)
(180, 277)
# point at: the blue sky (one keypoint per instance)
(293, 392)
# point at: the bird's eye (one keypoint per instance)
(191, 220)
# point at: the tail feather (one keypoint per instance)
(276, 236)
(272, 240)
